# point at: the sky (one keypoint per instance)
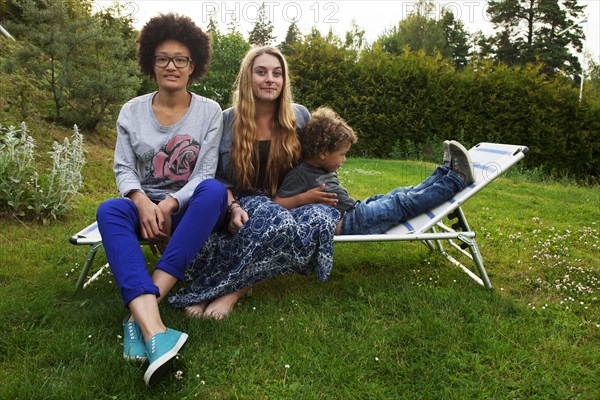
(372, 16)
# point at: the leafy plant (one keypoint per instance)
(228, 51)
(26, 193)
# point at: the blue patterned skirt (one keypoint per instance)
(274, 241)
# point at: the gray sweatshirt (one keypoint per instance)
(166, 160)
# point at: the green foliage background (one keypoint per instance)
(413, 100)
(228, 52)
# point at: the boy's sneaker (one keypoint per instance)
(162, 348)
(460, 162)
(447, 156)
(134, 348)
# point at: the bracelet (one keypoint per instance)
(236, 206)
(231, 204)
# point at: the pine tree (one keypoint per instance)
(457, 39)
(73, 56)
(292, 36)
(262, 32)
(212, 25)
(528, 32)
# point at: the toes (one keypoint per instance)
(216, 314)
(196, 311)
(190, 312)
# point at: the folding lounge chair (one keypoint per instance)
(489, 161)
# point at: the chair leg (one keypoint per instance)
(438, 243)
(429, 245)
(87, 265)
(475, 253)
(478, 260)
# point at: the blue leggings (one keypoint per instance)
(119, 225)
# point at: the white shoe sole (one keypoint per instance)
(134, 358)
(159, 368)
(465, 165)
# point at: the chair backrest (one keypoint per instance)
(490, 160)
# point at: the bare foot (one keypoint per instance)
(220, 307)
(196, 310)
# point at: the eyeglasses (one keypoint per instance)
(179, 61)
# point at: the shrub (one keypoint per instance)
(26, 193)
(404, 106)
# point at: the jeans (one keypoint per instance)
(377, 214)
(119, 225)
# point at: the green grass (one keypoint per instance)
(394, 321)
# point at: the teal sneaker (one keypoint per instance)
(162, 348)
(134, 348)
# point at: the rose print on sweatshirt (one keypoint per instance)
(177, 159)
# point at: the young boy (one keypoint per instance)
(325, 141)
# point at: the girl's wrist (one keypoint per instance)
(232, 205)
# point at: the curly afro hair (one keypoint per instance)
(325, 131)
(179, 28)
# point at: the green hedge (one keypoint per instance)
(400, 105)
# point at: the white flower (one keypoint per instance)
(287, 366)
(376, 358)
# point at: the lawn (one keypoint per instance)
(394, 321)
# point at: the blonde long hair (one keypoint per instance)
(284, 151)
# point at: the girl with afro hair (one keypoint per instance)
(165, 161)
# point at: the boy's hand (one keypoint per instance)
(318, 195)
(315, 195)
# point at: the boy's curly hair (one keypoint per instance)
(325, 131)
(179, 28)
